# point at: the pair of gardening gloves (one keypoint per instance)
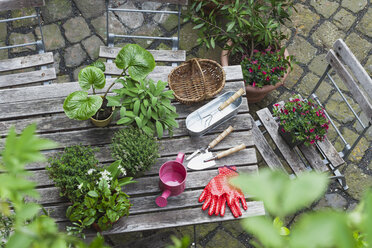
(219, 191)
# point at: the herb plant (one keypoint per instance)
(136, 150)
(104, 203)
(70, 168)
(305, 120)
(264, 68)
(147, 105)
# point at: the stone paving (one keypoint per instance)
(74, 30)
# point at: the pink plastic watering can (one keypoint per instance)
(172, 178)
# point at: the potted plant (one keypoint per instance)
(136, 63)
(137, 150)
(244, 27)
(301, 121)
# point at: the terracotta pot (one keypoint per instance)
(255, 94)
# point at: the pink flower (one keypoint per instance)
(325, 125)
(263, 53)
(273, 69)
(259, 67)
(294, 109)
(303, 114)
(282, 68)
(276, 105)
(264, 72)
(255, 51)
(285, 111)
(311, 130)
(267, 78)
(254, 84)
(254, 62)
(250, 70)
(317, 137)
(283, 130)
(296, 99)
(284, 122)
(312, 142)
(317, 113)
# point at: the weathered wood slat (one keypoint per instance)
(145, 185)
(55, 105)
(41, 92)
(272, 128)
(359, 96)
(313, 158)
(347, 57)
(244, 157)
(27, 77)
(19, 4)
(181, 2)
(265, 150)
(175, 218)
(26, 62)
(159, 55)
(331, 153)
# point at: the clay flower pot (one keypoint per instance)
(255, 94)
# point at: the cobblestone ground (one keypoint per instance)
(74, 30)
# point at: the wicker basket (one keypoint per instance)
(196, 80)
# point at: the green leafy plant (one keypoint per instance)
(180, 243)
(70, 168)
(136, 150)
(304, 119)
(264, 68)
(136, 63)
(147, 105)
(104, 203)
(283, 196)
(29, 228)
(248, 24)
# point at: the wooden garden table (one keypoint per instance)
(43, 105)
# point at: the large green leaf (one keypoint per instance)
(281, 195)
(91, 76)
(137, 60)
(322, 229)
(79, 106)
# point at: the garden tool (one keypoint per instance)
(219, 191)
(212, 144)
(208, 118)
(205, 160)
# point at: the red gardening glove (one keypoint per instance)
(218, 191)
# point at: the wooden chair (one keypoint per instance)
(175, 40)
(323, 157)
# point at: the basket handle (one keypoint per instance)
(195, 60)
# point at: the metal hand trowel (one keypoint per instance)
(207, 160)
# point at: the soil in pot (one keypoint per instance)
(287, 136)
(104, 112)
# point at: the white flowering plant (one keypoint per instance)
(104, 203)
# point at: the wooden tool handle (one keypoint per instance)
(230, 151)
(231, 99)
(221, 137)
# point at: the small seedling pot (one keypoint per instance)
(105, 122)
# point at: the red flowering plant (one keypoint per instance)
(304, 119)
(264, 68)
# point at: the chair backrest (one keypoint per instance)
(175, 40)
(344, 63)
(19, 4)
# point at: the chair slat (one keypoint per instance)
(290, 156)
(331, 153)
(26, 62)
(159, 55)
(19, 4)
(27, 77)
(359, 96)
(181, 2)
(347, 57)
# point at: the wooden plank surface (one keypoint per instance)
(359, 96)
(19, 4)
(27, 77)
(265, 150)
(289, 155)
(62, 90)
(313, 158)
(26, 62)
(347, 57)
(159, 55)
(181, 2)
(330, 152)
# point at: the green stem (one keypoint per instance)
(122, 74)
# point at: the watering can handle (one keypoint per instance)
(180, 157)
(231, 99)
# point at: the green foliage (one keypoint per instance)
(136, 150)
(283, 196)
(91, 76)
(305, 120)
(138, 61)
(103, 204)
(146, 105)
(29, 229)
(264, 68)
(177, 243)
(70, 168)
(248, 24)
